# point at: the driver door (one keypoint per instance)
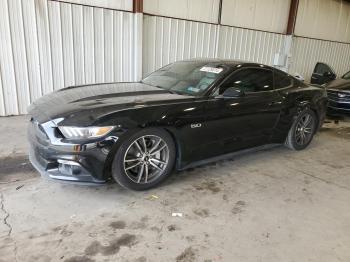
(322, 74)
(245, 121)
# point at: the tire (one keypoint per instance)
(144, 159)
(302, 130)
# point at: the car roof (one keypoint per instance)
(227, 62)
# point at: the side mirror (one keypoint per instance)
(233, 92)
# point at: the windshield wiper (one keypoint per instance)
(168, 90)
(172, 91)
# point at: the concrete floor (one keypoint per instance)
(275, 205)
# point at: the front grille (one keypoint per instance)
(338, 96)
(338, 100)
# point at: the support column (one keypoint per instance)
(220, 12)
(217, 34)
(293, 11)
(137, 6)
(138, 35)
(288, 44)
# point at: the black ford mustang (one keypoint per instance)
(185, 113)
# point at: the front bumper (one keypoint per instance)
(335, 109)
(71, 171)
(59, 159)
(339, 103)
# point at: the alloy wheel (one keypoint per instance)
(146, 159)
(304, 129)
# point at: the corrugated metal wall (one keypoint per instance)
(249, 45)
(324, 19)
(47, 45)
(307, 52)
(267, 15)
(125, 5)
(168, 40)
(199, 10)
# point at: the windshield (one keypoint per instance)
(346, 76)
(186, 77)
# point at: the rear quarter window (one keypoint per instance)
(282, 80)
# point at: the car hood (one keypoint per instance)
(340, 83)
(89, 102)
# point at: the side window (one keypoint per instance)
(346, 76)
(282, 80)
(322, 68)
(249, 80)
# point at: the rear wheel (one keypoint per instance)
(302, 130)
(144, 160)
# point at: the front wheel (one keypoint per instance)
(144, 159)
(302, 130)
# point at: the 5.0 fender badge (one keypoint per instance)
(197, 125)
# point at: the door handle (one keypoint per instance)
(275, 103)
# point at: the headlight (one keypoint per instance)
(73, 132)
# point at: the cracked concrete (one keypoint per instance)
(6, 214)
(274, 205)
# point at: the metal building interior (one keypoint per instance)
(269, 205)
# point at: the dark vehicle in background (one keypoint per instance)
(322, 74)
(338, 90)
(182, 115)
